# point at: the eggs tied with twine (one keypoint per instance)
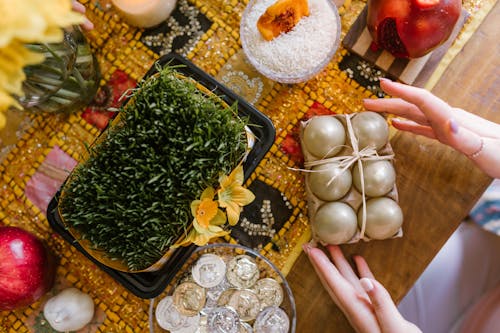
(350, 178)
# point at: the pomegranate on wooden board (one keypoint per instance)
(26, 268)
(411, 28)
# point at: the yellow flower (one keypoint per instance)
(207, 219)
(206, 211)
(207, 215)
(35, 21)
(28, 21)
(232, 195)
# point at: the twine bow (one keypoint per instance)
(368, 153)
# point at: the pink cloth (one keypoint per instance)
(48, 178)
(484, 316)
(465, 270)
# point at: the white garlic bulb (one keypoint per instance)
(70, 310)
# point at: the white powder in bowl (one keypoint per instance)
(299, 54)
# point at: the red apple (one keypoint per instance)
(26, 268)
(411, 28)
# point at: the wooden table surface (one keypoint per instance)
(437, 188)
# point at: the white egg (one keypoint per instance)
(379, 177)
(334, 223)
(384, 217)
(324, 136)
(370, 128)
(320, 185)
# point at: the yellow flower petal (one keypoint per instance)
(235, 177)
(34, 21)
(188, 240)
(208, 193)
(213, 229)
(233, 213)
(201, 239)
(219, 219)
(3, 121)
(194, 207)
(28, 21)
(236, 194)
(12, 60)
(242, 196)
(6, 101)
(199, 228)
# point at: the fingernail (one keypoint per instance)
(306, 247)
(89, 24)
(384, 79)
(453, 126)
(366, 284)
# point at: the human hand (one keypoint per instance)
(365, 302)
(79, 8)
(427, 115)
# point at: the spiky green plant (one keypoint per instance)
(131, 197)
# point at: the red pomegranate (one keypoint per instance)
(411, 28)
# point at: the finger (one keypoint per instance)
(344, 267)
(337, 286)
(436, 110)
(87, 25)
(428, 103)
(476, 123)
(387, 314)
(335, 281)
(357, 310)
(464, 140)
(345, 289)
(78, 7)
(363, 268)
(410, 126)
(398, 107)
(316, 262)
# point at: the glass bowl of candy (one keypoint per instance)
(225, 288)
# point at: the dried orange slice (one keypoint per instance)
(281, 17)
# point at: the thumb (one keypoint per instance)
(388, 316)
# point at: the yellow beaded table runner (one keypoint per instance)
(37, 151)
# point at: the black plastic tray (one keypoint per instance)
(151, 284)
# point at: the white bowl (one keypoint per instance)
(296, 56)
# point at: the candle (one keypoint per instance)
(145, 13)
